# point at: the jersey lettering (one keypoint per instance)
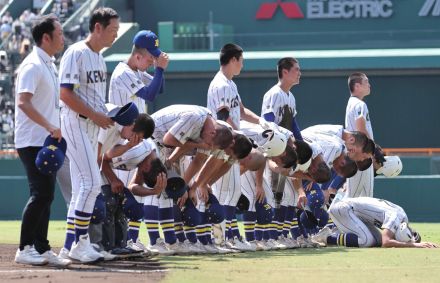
(95, 76)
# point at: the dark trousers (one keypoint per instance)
(36, 213)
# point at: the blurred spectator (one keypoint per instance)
(7, 18)
(5, 29)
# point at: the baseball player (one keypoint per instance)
(83, 89)
(131, 83)
(36, 116)
(357, 118)
(279, 105)
(371, 222)
(225, 103)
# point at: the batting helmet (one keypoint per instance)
(243, 203)
(391, 167)
(404, 233)
(274, 145)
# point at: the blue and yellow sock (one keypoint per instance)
(133, 229)
(166, 219)
(249, 218)
(82, 222)
(151, 220)
(344, 239)
(70, 233)
(178, 224)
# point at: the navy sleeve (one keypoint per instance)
(270, 117)
(68, 86)
(337, 182)
(296, 130)
(150, 92)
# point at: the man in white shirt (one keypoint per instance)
(37, 115)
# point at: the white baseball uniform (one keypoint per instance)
(275, 100)
(361, 184)
(86, 70)
(331, 146)
(363, 215)
(125, 83)
(223, 93)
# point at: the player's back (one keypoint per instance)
(331, 146)
(377, 211)
(325, 129)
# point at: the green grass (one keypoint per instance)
(301, 265)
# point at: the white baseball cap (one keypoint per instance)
(391, 167)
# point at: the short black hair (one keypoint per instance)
(361, 139)
(145, 124)
(285, 63)
(303, 151)
(223, 136)
(290, 158)
(230, 51)
(354, 79)
(242, 146)
(364, 164)
(350, 167)
(156, 168)
(102, 15)
(322, 173)
(42, 25)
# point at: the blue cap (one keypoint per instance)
(124, 115)
(176, 186)
(264, 212)
(215, 213)
(99, 211)
(51, 156)
(308, 220)
(132, 209)
(190, 215)
(148, 40)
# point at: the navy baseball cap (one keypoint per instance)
(124, 115)
(190, 215)
(148, 40)
(132, 209)
(99, 211)
(214, 210)
(51, 156)
(176, 186)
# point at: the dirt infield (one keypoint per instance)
(138, 270)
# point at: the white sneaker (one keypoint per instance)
(229, 245)
(83, 251)
(199, 247)
(287, 242)
(106, 255)
(180, 248)
(161, 248)
(293, 243)
(321, 236)
(136, 246)
(222, 249)
(262, 245)
(211, 249)
(256, 245)
(243, 245)
(55, 260)
(29, 256)
(64, 253)
(275, 245)
(307, 242)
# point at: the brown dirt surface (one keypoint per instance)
(130, 270)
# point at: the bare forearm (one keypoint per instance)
(75, 103)
(34, 115)
(249, 116)
(117, 150)
(220, 170)
(194, 166)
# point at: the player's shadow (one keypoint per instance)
(192, 262)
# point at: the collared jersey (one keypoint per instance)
(37, 75)
(86, 70)
(357, 108)
(223, 93)
(125, 83)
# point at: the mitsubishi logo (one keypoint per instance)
(290, 9)
(430, 5)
